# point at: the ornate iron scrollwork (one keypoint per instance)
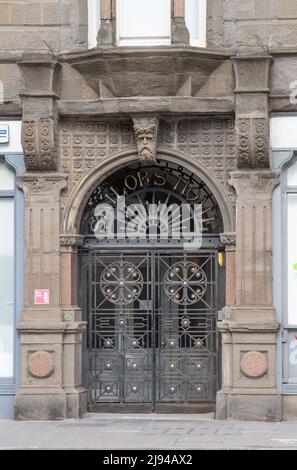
(121, 283)
(185, 283)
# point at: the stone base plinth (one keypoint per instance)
(76, 403)
(48, 406)
(249, 407)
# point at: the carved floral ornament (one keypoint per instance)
(146, 132)
(253, 142)
(39, 141)
(228, 239)
(71, 241)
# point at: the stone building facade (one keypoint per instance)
(191, 117)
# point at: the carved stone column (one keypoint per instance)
(252, 69)
(229, 240)
(106, 36)
(49, 384)
(249, 327)
(71, 314)
(40, 118)
(180, 33)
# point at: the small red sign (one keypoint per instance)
(42, 297)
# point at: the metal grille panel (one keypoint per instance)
(152, 327)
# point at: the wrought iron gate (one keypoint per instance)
(151, 328)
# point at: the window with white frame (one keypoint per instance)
(143, 22)
(291, 208)
(148, 22)
(93, 22)
(195, 16)
(7, 270)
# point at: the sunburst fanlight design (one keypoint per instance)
(185, 283)
(121, 283)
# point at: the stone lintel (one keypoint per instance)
(151, 105)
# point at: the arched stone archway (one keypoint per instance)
(78, 198)
(71, 227)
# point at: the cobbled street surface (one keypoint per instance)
(109, 431)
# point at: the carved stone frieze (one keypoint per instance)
(146, 132)
(84, 144)
(40, 144)
(211, 142)
(253, 142)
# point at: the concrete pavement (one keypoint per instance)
(108, 431)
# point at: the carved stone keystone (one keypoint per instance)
(146, 132)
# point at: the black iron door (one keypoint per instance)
(151, 329)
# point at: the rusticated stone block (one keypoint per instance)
(17, 13)
(254, 407)
(32, 13)
(285, 8)
(4, 17)
(40, 407)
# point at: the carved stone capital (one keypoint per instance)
(40, 144)
(40, 72)
(252, 185)
(228, 239)
(146, 132)
(42, 184)
(252, 142)
(252, 72)
(70, 242)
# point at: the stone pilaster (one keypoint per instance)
(249, 326)
(180, 33)
(50, 340)
(106, 34)
(40, 73)
(252, 70)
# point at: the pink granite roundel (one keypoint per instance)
(41, 365)
(254, 365)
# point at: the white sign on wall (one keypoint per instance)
(13, 145)
(4, 134)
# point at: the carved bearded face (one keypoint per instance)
(145, 146)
